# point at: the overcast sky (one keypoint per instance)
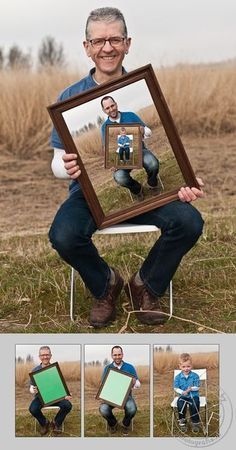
(61, 353)
(192, 348)
(163, 31)
(136, 354)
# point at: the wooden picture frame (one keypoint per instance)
(120, 160)
(50, 383)
(109, 202)
(115, 388)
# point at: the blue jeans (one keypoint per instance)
(130, 411)
(36, 406)
(124, 151)
(150, 164)
(71, 235)
(194, 405)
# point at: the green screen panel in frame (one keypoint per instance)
(50, 383)
(115, 388)
(81, 123)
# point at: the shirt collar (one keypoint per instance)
(116, 366)
(92, 72)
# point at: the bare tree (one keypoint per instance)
(1, 58)
(50, 53)
(17, 59)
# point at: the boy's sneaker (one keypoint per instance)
(195, 427)
(182, 425)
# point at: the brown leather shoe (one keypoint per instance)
(104, 309)
(142, 299)
(43, 430)
(56, 428)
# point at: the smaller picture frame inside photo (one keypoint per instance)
(82, 125)
(123, 146)
(50, 383)
(115, 388)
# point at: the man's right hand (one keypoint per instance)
(35, 389)
(71, 165)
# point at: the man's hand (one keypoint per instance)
(35, 389)
(187, 194)
(68, 397)
(71, 165)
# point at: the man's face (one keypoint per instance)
(110, 108)
(117, 355)
(186, 367)
(108, 59)
(45, 356)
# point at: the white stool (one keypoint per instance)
(47, 408)
(123, 228)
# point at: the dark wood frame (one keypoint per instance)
(31, 374)
(113, 369)
(126, 166)
(144, 73)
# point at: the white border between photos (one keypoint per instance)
(7, 390)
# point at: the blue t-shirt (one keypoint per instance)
(126, 367)
(182, 382)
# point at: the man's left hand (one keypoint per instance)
(68, 397)
(187, 194)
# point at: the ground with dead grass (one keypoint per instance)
(34, 289)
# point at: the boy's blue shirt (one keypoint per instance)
(124, 141)
(181, 382)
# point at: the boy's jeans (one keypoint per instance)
(70, 234)
(193, 403)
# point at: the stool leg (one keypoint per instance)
(171, 299)
(72, 294)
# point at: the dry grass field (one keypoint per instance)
(95, 425)
(164, 365)
(34, 281)
(25, 423)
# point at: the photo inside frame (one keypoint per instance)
(84, 123)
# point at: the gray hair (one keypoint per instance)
(45, 347)
(106, 14)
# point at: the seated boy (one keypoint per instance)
(186, 385)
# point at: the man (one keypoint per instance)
(123, 142)
(130, 407)
(36, 406)
(150, 162)
(106, 44)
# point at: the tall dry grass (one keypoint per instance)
(202, 100)
(165, 362)
(70, 371)
(93, 375)
(24, 121)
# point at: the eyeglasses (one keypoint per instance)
(45, 356)
(113, 41)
